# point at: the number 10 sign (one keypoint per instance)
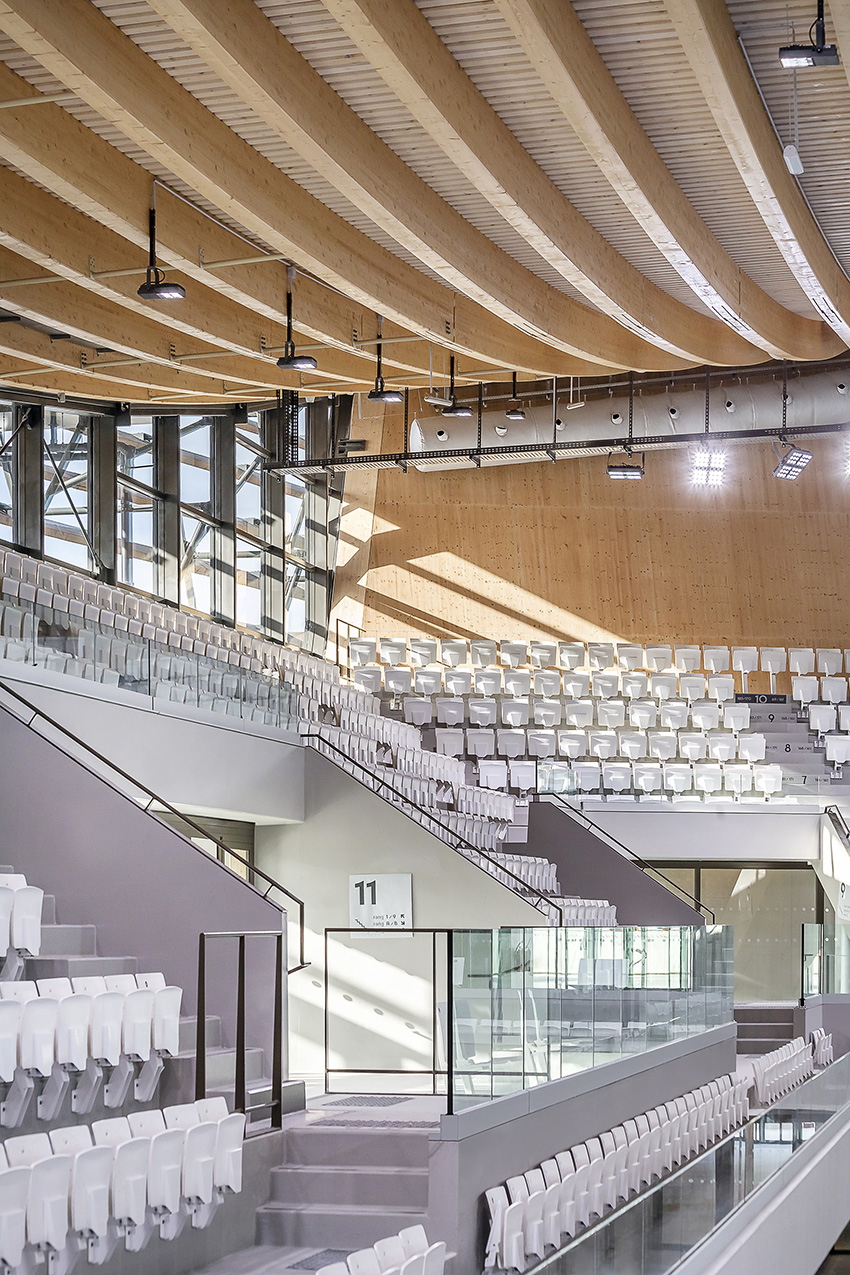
(381, 902)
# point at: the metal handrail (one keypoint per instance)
(443, 827)
(172, 810)
(605, 835)
(240, 1087)
(839, 822)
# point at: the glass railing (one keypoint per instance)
(656, 1231)
(826, 959)
(43, 638)
(524, 1006)
(535, 1005)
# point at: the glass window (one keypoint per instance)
(195, 561)
(6, 488)
(195, 454)
(767, 907)
(249, 490)
(66, 508)
(135, 446)
(295, 601)
(294, 515)
(136, 560)
(249, 585)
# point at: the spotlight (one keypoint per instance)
(514, 412)
(816, 53)
(289, 359)
(455, 409)
(626, 468)
(379, 394)
(708, 467)
(792, 464)
(794, 56)
(792, 160)
(155, 287)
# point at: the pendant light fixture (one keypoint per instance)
(514, 410)
(289, 359)
(155, 286)
(454, 409)
(379, 394)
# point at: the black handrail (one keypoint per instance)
(449, 832)
(839, 822)
(240, 1091)
(154, 797)
(604, 835)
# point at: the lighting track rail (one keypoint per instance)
(576, 450)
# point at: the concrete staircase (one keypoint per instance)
(762, 1028)
(345, 1188)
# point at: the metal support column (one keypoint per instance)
(28, 530)
(104, 490)
(167, 521)
(273, 438)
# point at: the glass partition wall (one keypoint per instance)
(181, 506)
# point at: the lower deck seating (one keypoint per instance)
(88, 1188)
(407, 1253)
(782, 1069)
(544, 1207)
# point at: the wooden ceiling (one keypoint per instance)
(532, 185)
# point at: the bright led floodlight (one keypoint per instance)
(708, 467)
(626, 468)
(792, 464)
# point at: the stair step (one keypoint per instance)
(355, 1148)
(70, 966)
(188, 1033)
(767, 1031)
(360, 1187)
(221, 1066)
(68, 940)
(331, 1226)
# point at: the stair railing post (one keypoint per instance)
(240, 1095)
(201, 1026)
(277, 1048)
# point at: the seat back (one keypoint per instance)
(113, 1132)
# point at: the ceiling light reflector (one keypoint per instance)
(792, 464)
(708, 467)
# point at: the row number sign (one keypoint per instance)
(381, 902)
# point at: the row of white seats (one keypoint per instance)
(780, 1070)
(466, 800)
(822, 1051)
(333, 694)
(825, 690)
(549, 684)
(58, 588)
(654, 657)
(595, 912)
(545, 1206)
(484, 834)
(295, 661)
(642, 714)
(674, 714)
(384, 729)
(407, 1253)
(20, 915)
(246, 712)
(540, 874)
(82, 1189)
(678, 778)
(601, 743)
(370, 754)
(68, 1021)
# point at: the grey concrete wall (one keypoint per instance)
(754, 833)
(832, 1013)
(589, 867)
(348, 829)
(226, 767)
(148, 890)
(486, 1145)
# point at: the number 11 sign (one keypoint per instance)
(381, 902)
